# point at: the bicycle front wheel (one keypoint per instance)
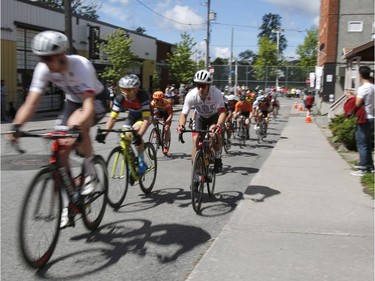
(39, 223)
(242, 138)
(95, 203)
(118, 177)
(154, 138)
(197, 181)
(147, 180)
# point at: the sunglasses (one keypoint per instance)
(201, 85)
(47, 58)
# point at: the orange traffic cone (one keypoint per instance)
(308, 117)
(300, 107)
(295, 105)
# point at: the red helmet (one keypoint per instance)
(158, 95)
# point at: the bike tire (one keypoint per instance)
(211, 175)
(94, 204)
(164, 143)
(242, 137)
(154, 139)
(260, 132)
(44, 195)
(147, 180)
(197, 192)
(118, 177)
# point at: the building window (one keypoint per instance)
(355, 26)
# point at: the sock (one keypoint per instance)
(140, 157)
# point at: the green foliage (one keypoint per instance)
(155, 81)
(273, 22)
(117, 50)
(308, 51)
(181, 65)
(267, 56)
(343, 130)
(368, 181)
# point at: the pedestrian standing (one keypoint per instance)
(364, 132)
(3, 101)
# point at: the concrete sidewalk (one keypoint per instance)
(303, 217)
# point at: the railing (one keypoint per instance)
(336, 108)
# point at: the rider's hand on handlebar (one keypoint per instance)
(13, 133)
(180, 128)
(217, 129)
(100, 137)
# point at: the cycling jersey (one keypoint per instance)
(79, 78)
(207, 108)
(262, 106)
(243, 106)
(138, 108)
(164, 107)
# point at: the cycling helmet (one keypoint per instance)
(158, 95)
(203, 76)
(231, 98)
(262, 100)
(129, 81)
(49, 43)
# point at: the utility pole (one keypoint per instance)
(68, 24)
(207, 62)
(277, 31)
(230, 62)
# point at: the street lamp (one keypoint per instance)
(277, 31)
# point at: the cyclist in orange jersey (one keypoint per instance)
(162, 108)
(243, 108)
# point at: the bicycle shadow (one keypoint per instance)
(240, 170)
(164, 242)
(222, 203)
(259, 193)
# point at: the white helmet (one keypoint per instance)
(49, 43)
(203, 76)
(231, 97)
(129, 81)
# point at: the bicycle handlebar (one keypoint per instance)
(181, 139)
(115, 131)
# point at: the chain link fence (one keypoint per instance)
(287, 76)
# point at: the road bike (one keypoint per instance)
(261, 129)
(157, 136)
(227, 144)
(203, 167)
(122, 165)
(243, 131)
(39, 222)
(275, 109)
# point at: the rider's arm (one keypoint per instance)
(25, 112)
(222, 116)
(88, 109)
(182, 120)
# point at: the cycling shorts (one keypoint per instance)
(202, 123)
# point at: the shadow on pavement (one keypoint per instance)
(259, 193)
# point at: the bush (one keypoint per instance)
(343, 130)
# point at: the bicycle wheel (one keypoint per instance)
(197, 191)
(260, 132)
(118, 177)
(147, 180)
(211, 177)
(164, 144)
(154, 139)
(39, 223)
(242, 136)
(226, 142)
(95, 203)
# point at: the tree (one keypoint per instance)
(267, 56)
(220, 61)
(156, 81)
(308, 50)
(117, 50)
(246, 57)
(181, 65)
(140, 30)
(78, 7)
(271, 23)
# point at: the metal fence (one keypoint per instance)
(289, 76)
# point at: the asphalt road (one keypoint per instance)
(151, 237)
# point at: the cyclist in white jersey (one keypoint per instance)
(83, 107)
(210, 112)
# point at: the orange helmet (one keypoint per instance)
(158, 95)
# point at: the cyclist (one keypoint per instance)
(231, 106)
(210, 112)
(84, 99)
(137, 102)
(242, 113)
(261, 107)
(162, 108)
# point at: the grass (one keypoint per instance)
(368, 182)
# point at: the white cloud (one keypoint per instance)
(114, 11)
(222, 53)
(185, 15)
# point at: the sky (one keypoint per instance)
(166, 20)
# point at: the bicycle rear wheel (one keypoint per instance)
(154, 139)
(260, 132)
(95, 203)
(118, 177)
(147, 180)
(197, 187)
(242, 136)
(39, 223)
